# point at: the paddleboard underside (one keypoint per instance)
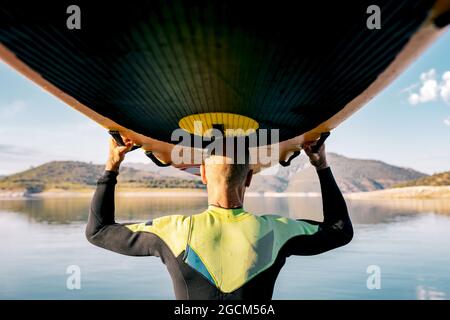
(147, 65)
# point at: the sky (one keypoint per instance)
(407, 124)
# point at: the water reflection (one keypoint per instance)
(407, 239)
(379, 211)
(68, 210)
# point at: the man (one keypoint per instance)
(224, 252)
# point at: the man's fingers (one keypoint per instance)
(112, 143)
(125, 139)
(309, 144)
(121, 149)
(128, 145)
(320, 148)
(307, 148)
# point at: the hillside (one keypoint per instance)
(352, 175)
(165, 171)
(435, 180)
(72, 175)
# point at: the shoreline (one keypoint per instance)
(147, 193)
(417, 192)
(20, 195)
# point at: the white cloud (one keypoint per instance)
(11, 109)
(430, 88)
(429, 75)
(13, 150)
(445, 87)
(447, 121)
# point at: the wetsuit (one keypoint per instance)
(221, 253)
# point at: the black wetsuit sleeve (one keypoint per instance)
(103, 231)
(336, 229)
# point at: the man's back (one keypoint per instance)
(223, 250)
(221, 253)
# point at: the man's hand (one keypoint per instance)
(318, 159)
(117, 154)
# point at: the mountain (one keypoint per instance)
(69, 175)
(352, 175)
(166, 171)
(438, 179)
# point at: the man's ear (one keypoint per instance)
(248, 179)
(203, 173)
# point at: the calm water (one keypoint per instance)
(408, 240)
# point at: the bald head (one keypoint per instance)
(218, 171)
(226, 173)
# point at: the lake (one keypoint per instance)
(407, 240)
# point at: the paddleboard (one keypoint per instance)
(147, 68)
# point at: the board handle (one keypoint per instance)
(315, 148)
(156, 161)
(118, 138)
(323, 136)
(287, 163)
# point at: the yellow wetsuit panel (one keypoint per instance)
(227, 246)
(234, 245)
(173, 230)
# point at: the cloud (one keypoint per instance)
(430, 88)
(445, 87)
(10, 110)
(12, 150)
(447, 121)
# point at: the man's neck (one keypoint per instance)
(228, 199)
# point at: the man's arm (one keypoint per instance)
(102, 230)
(336, 229)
